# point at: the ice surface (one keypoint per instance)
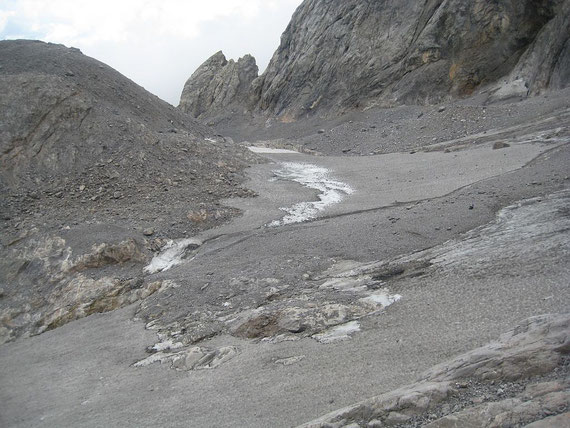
(314, 177)
(171, 255)
(269, 150)
(339, 332)
(382, 298)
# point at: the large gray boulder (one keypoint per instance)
(341, 55)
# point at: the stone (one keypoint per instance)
(290, 360)
(193, 358)
(395, 418)
(543, 388)
(259, 326)
(324, 322)
(148, 232)
(508, 412)
(500, 145)
(531, 349)
(415, 400)
(272, 294)
(107, 254)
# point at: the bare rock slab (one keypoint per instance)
(537, 346)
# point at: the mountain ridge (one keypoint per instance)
(340, 56)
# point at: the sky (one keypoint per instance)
(156, 43)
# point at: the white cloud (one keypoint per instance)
(4, 16)
(89, 22)
(157, 43)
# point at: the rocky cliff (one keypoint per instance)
(341, 55)
(217, 84)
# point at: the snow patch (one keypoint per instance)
(340, 332)
(269, 150)
(314, 177)
(171, 255)
(382, 298)
(167, 345)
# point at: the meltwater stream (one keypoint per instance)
(314, 177)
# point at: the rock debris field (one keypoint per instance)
(399, 262)
(417, 259)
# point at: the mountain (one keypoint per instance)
(97, 175)
(79, 135)
(342, 55)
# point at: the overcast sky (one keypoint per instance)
(156, 43)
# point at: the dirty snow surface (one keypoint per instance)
(331, 191)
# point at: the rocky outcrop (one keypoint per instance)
(545, 64)
(219, 84)
(519, 379)
(108, 254)
(333, 303)
(194, 358)
(336, 56)
(46, 285)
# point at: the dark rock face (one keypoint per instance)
(217, 84)
(337, 56)
(545, 64)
